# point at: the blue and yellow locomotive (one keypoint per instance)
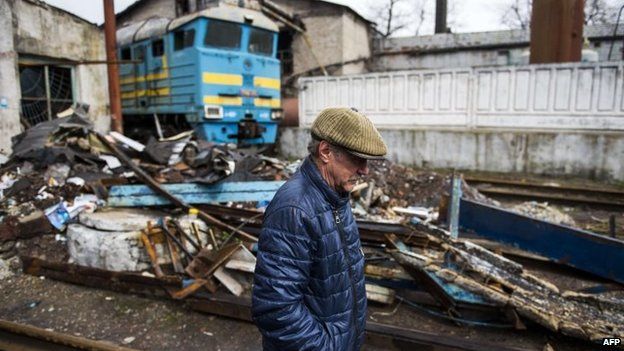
(215, 70)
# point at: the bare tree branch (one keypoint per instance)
(396, 15)
(518, 14)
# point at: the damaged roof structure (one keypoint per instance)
(42, 47)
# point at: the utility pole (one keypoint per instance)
(556, 31)
(110, 29)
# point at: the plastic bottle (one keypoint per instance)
(58, 215)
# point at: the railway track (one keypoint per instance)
(23, 337)
(554, 192)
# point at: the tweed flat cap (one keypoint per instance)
(351, 130)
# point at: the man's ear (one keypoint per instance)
(324, 151)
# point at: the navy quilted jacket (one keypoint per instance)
(308, 289)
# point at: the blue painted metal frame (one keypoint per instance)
(593, 253)
(193, 193)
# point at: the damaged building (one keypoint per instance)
(48, 63)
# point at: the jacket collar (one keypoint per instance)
(310, 171)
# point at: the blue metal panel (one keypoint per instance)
(581, 249)
(193, 193)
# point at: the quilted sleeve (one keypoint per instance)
(281, 278)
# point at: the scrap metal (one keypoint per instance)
(174, 200)
(504, 282)
(593, 253)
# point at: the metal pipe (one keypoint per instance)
(114, 91)
(440, 16)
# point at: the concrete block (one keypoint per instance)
(120, 252)
(116, 251)
(83, 244)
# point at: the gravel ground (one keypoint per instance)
(155, 324)
(132, 321)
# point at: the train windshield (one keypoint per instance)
(260, 42)
(223, 35)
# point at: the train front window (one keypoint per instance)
(223, 35)
(183, 39)
(158, 48)
(260, 42)
(126, 54)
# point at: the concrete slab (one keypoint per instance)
(120, 219)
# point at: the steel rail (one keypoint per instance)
(17, 336)
(547, 191)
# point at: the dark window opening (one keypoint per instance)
(284, 52)
(126, 54)
(223, 35)
(260, 42)
(158, 48)
(46, 91)
(139, 53)
(183, 39)
(182, 7)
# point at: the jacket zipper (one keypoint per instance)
(345, 250)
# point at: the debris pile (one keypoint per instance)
(541, 210)
(76, 204)
(453, 265)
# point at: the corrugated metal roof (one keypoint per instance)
(157, 26)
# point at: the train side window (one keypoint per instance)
(260, 42)
(183, 39)
(158, 48)
(139, 53)
(223, 35)
(126, 54)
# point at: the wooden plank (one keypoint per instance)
(242, 266)
(379, 294)
(193, 193)
(151, 252)
(242, 260)
(229, 281)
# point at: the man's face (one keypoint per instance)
(346, 169)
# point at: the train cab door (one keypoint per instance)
(140, 71)
(157, 75)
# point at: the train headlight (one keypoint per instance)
(277, 114)
(213, 112)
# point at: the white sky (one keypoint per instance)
(464, 15)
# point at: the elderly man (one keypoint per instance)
(308, 289)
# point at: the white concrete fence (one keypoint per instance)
(571, 96)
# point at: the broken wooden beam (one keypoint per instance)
(379, 294)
